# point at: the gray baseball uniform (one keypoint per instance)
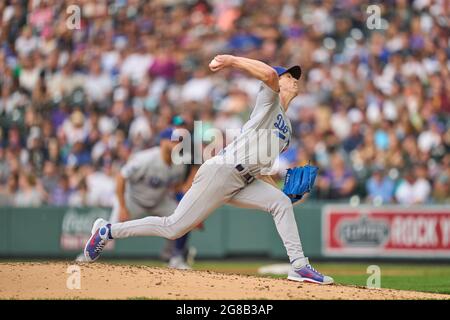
(148, 179)
(218, 181)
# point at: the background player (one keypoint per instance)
(230, 176)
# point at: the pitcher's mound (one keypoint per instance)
(104, 281)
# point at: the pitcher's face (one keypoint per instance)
(288, 84)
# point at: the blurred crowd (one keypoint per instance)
(76, 99)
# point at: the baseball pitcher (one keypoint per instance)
(236, 175)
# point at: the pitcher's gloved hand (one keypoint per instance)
(299, 180)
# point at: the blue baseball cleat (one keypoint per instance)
(100, 236)
(307, 273)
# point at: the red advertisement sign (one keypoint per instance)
(389, 231)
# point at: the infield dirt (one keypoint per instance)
(32, 280)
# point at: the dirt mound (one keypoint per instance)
(105, 281)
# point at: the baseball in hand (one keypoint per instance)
(214, 63)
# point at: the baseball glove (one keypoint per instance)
(299, 181)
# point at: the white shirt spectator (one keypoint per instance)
(15, 100)
(73, 133)
(250, 86)
(98, 87)
(28, 78)
(26, 45)
(299, 102)
(395, 44)
(140, 126)
(136, 66)
(414, 68)
(428, 140)
(430, 65)
(411, 193)
(78, 199)
(389, 110)
(226, 121)
(33, 198)
(174, 93)
(110, 60)
(107, 125)
(98, 150)
(47, 43)
(355, 115)
(101, 189)
(321, 20)
(340, 125)
(373, 113)
(61, 84)
(8, 13)
(196, 89)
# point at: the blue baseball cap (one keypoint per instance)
(295, 71)
(168, 134)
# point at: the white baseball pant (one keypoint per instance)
(214, 185)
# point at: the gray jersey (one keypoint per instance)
(149, 177)
(265, 135)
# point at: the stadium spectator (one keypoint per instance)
(79, 198)
(101, 185)
(441, 188)
(414, 188)
(338, 181)
(354, 139)
(70, 98)
(60, 195)
(98, 84)
(28, 193)
(380, 188)
(9, 190)
(49, 178)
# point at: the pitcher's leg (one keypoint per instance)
(206, 194)
(263, 196)
(175, 250)
(213, 185)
